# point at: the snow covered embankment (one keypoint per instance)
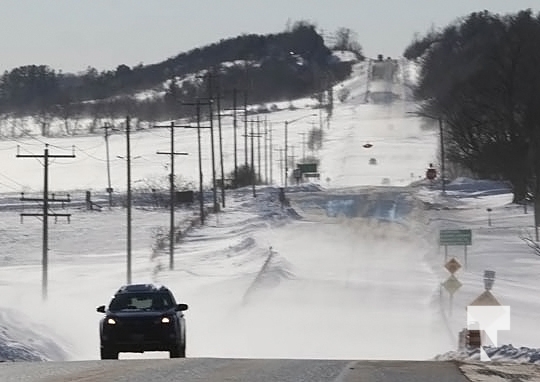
(21, 340)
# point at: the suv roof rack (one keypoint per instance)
(141, 288)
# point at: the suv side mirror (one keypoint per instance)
(181, 307)
(101, 309)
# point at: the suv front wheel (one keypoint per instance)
(177, 351)
(107, 353)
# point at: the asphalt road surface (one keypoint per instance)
(237, 370)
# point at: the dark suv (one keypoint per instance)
(142, 317)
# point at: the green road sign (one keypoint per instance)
(455, 237)
(307, 167)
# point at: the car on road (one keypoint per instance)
(142, 317)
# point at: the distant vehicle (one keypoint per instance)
(142, 317)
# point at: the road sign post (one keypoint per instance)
(452, 265)
(455, 237)
(489, 279)
(452, 284)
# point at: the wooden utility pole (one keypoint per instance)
(128, 198)
(172, 153)
(235, 135)
(292, 157)
(211, 117)
(265, 150)
(128, 153)
(221, 146)
(253, 174)
(270, 150)
(287, 123)
(303, 145)
(199, 127)
(259, 149)
(245, 129)
(45, 213)
(286, 159)
(441, 133)
(235, 109)
(109, 187)
(281, 163)
(441, 137)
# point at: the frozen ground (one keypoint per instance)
(352, 270)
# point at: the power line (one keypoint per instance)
(8, 186)
(26, 133)
(11, 180)
(8, 148)
(89, 155)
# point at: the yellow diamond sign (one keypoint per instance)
(485, 299)
(452, 284)
(452, 265)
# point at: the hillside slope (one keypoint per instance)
(283, 66)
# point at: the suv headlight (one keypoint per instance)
(111, 321)
(165, 320)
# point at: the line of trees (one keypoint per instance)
(270, 67)
(481, 77)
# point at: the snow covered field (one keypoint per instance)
(358, 285)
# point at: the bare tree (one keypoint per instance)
(347, 39)
(43, 118)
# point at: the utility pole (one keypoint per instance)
(109, 188)
(441, 137)
(259, 149)
(265, 150)
(245, 129)
(442, 155)
(320, 118)
(253, 174)
(292, 157)
(303, 145)
(286, 161)
(281, 163)
(221, 147)
(286, 137)
(199, 127)
(235, 109)
(252, 165)
(172, 153)
(270, 149)
(45, 213)
(211, 117)
(235, 134)
(128, 149)
(312, 149)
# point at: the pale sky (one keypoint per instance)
(70, 35)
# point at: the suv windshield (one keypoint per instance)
(141, 301)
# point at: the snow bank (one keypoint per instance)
(504, 353)
(23, 340)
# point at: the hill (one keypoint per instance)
(283, 66)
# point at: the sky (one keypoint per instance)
(362, 259)
(71, 35)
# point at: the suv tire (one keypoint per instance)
(107, 353)
(177, 351)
